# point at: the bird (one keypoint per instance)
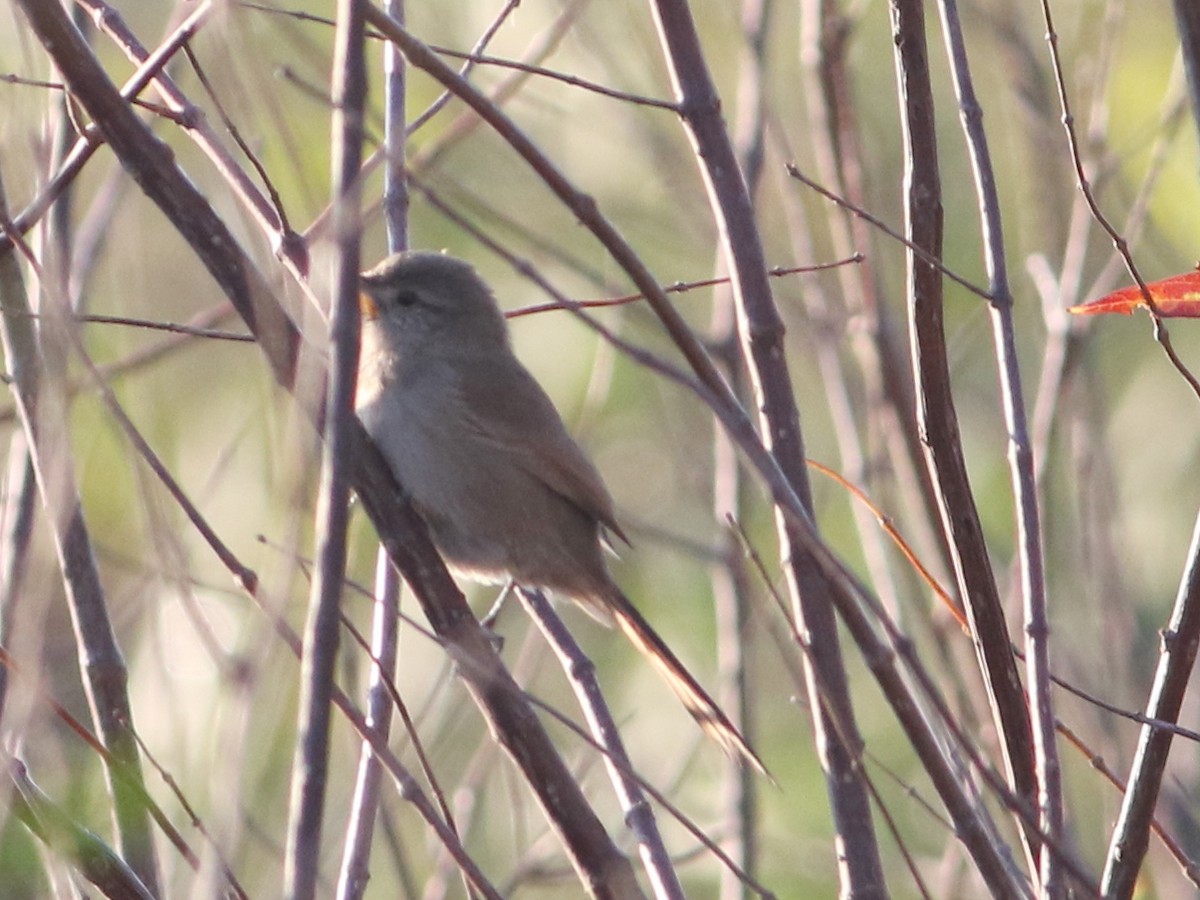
(486, 460)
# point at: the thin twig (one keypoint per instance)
(311, 759)
(804, 642)
(935, 403)
(38, 369)
(387, 153)
(1030, 549)
(266, 212)
(10, 666)
(922, 253)
(150, 65)
(1131, 835)
(236, 134)
(682, 287)
(360, 828)
(639, 815)
(732, 603)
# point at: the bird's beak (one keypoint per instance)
(367, 306)
(372, 284)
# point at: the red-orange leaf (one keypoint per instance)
(1177, 297)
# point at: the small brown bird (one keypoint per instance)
(486, 459)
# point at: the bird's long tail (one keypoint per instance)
(712, 721)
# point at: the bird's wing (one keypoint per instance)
(532, 434)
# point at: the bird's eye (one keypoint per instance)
(405, 297)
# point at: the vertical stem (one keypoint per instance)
(1176, 664)
(935, 403)
(639, 814)
(321, 631)
(761, 333)
(1024, 482)
(395, 184)
(833, 111)
(1181, 638)
(385, 621)
(356, 858)
(730, 584)
(105, 677)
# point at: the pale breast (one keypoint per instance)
(491, 514)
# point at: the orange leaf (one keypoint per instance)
(1177, 297)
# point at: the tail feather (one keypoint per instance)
(712, 721)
